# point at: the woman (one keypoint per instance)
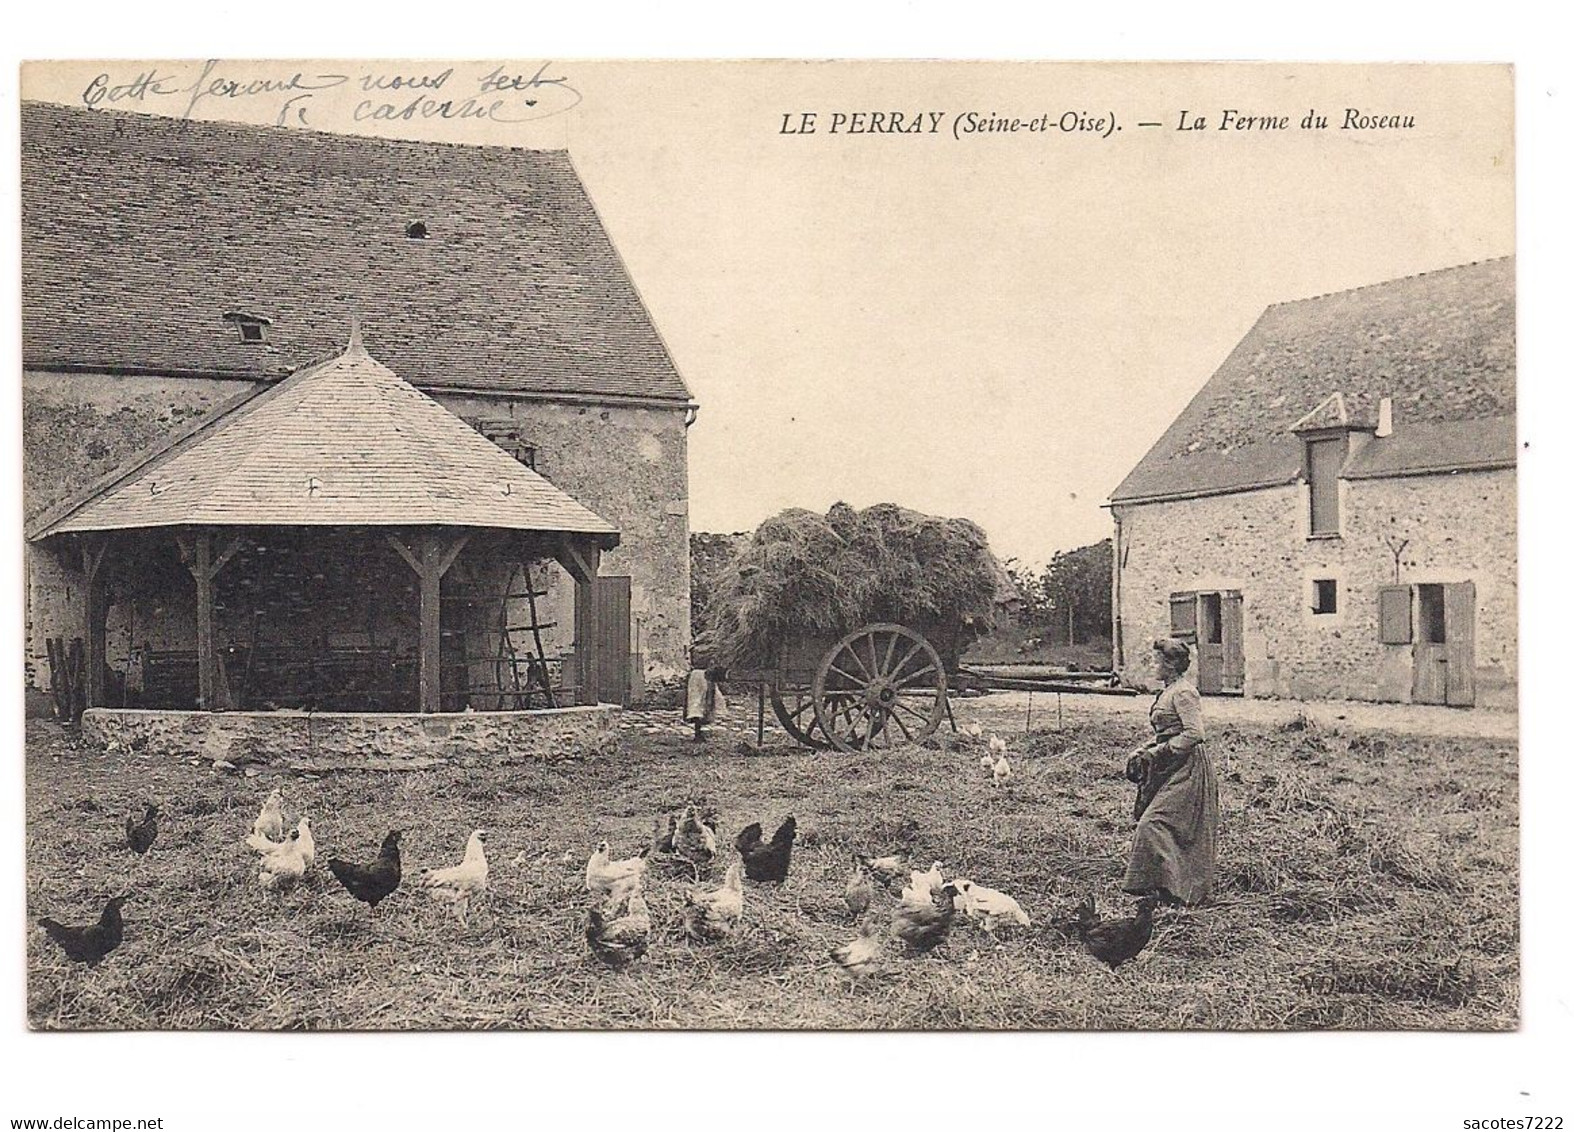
(703, 699)
(1177, 811)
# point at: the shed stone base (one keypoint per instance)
(319, 741)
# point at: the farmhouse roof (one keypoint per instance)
(1440, 344)
(145, 240)
(344, 443)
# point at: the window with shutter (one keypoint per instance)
(1393, 603)
(1324, 458)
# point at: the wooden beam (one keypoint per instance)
(430, 557)
(201, 567)
(95, 613)
(582, 561)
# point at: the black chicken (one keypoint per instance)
(1116, 941)
(767, 860)
(374, 882)
(923, 926)
(90, 943)
(141, 834)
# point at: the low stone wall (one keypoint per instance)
(317, 741)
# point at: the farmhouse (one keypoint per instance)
(1333, 515)
(336, 423)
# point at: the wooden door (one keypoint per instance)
(1232, 648)
(1459, 648)
(613, 600)
(1431, 646)
(1210, 643)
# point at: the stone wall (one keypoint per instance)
(1459, 527)
(322, 741)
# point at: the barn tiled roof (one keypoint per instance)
(1436, 446)
(139, 234)
(1440, 344)
(345, 443)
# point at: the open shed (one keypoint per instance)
(335, 542)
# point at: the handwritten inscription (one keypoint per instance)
(292, 97)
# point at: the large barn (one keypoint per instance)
(338, 423)
(1333, 515)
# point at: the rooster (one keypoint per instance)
(602, 873)
(270, 821)
(694, 841)
(90, 943)
(664, 834)
(284, 866)
(767, 860)
(923, 927)
(860, 890)
(860, 957)
(620, 941)
(1116, 941)
(141, 834)
(372, 883)
(715, 915)
(886, 870)
(922, 889)
(464, 880)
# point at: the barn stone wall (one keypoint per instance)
(1455, 527)
(629, 464)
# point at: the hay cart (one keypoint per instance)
(878, 686)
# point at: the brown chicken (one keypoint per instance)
(924, 927)
(620, 941)
(860, 891)
(372, 883)
(889, 871)
(91, 942)
(767, 860)
(694, 841)
(141, 834)
(1117, 941)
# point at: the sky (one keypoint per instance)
(995, 325)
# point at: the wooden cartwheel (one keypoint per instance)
(877, 687)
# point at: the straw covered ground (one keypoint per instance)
(1367, 881)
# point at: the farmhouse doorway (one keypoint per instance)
(1445, 661)
(1211, 621)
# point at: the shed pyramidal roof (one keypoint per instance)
(344, 443)
(140, 233)
(1440, 345)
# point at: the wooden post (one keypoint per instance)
(95, 612)
(430, 558)
(197, 551)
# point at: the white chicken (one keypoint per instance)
(921, 892)
(989, 906)
(1002, 772)
(997, 746)
(974, 730)
(270, 821)
(464, 881)
(280, 869)
(715, 915)
(602, 873)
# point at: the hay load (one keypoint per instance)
(805, 575)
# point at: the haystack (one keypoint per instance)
(806, 575)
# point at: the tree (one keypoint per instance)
(1076, 591)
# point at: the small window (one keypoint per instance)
(1325, 595)
(507, 437)
(1183, 616)
(253, 327)
(1430, 618)
(1393, 604)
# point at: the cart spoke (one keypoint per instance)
(898, 721)
(890, 650)
(849, 677)
(852, 651)
(907, 656)
(911, 710)
(907, 681)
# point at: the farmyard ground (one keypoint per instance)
(1368, 880)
